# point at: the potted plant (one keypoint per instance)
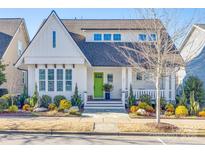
(107, 88)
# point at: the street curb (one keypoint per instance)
(100, 133)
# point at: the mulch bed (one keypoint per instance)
(166, 127)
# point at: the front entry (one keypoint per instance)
(98, 85)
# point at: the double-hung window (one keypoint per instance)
(42, 80)
(51, 78)
(59, 79)
(97, 37)
(68, 80)
(139, 76)
(107, 37)
(142, 37)
(116, 37)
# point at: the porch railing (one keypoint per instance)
(150, 92)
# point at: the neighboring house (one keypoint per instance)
(66, 52)
(13, 40)
(193, 53)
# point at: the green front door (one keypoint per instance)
(98, 85)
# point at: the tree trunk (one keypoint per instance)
(158, 96)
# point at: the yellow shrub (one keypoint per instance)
(133, 108)
(52, 107)
(64, 104)
(26, 107)
(13, 108)
(202, 114)
(181, 111)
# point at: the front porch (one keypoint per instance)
(121, 80)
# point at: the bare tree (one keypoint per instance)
(159, 56)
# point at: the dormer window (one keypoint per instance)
(54, 39)
(107, 37)
(97, 37)
(142, 37)
(153, 37)
(116, 37)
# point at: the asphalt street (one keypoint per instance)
(39, 139)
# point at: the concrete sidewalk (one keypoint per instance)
(99, 123)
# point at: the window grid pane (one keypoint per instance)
(50, 79)
(42, 74)
(107, 37)
(59, 79)
(117, 37)
(142, 37)
(97, 37)
(42, 85)
(110, 78)
(68, 82)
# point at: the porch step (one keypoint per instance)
(104, 105)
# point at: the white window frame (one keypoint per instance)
(41, 80)
(51, 80)
(20, 48)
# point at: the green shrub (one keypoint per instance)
(76, 98)
(3, 104)
(193, 83)
(7, 98)
(181, 111)
(57, 99)
(64, 104)
(145, 98)
(169, 107)
(13, 108)
(26, 107)
(45, 101)
(142, 105)
(131, 98)
(52, 107)
(162, 103)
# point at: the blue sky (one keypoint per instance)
(34, 17)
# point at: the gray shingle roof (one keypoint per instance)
(108, 53)
(8, 28)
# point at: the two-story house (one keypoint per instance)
(65, 52)
(14, 39)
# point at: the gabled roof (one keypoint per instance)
(104, 53)
(8, 28)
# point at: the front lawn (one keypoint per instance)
(46, 125)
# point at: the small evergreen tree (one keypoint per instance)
(2, 74)
(35, 98)
(76, 98)
(194, 106)
(131, 98)
(183, 99)
(194, 84)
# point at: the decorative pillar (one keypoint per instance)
(123, 84)
(167, 88)
(85, 97)
(173, 87)
(129, 78)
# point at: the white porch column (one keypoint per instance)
(173, 88)
(129, 77)
(167, 88)
(123, 84)
(85, 86)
